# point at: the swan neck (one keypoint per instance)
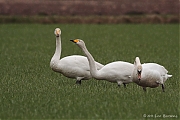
(57, 53)
(92, 64)
(138, 62)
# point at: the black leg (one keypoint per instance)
(124, 85)
(144, 88)
(163, 87)
(78, 82)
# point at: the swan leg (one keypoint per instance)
(78, 82)
(144, 88)
(119, 83)
(124, 85)
(163, 87)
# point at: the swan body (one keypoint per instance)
(117, 72)
(74, 66)
(149, 74)
(161, 69)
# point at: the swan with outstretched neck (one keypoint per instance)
(74, 66)
(149, 74)
(118, 72)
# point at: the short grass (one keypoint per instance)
(29, 89)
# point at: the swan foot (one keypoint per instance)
(123, 84)
(144, 88)
(163, 87)
(78, 82)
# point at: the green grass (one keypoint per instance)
(29, 89)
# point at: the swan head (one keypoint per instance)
(138, 65)
(57, 32)
(78, 42)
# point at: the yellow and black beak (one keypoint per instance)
(75, 41)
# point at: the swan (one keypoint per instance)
(75, 66)
(149, 74)
(117, 72)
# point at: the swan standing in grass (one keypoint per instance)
(149, 74)
(74, 66)
(117, 72)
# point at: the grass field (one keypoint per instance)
(29, 89)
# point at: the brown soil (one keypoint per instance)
(90, 11)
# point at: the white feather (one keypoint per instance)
(152, 74)
(118, 72)
(74, 66)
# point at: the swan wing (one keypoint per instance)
(161, 69)
(85, 62)
(150, 78)
(155, 66)
(117, 70)
(77, 61)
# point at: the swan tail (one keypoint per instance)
(169, 76)
(166, 77)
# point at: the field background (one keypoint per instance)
(29, 89)
(89, 11)
(88, 7)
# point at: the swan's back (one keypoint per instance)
(118, 65)
(74, 62)
(155, 66)
(161, 69)
(77, 60)
(117, 70)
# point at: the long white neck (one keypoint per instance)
(92, 64)
(57, 53)
(137, 63)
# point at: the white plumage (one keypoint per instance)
(74, 66)
(118, 72)
(161, 69)
(149, 74)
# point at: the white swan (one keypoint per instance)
(117, 72)
(74, 66)
(149, 74)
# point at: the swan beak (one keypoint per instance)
(72, 41)
(75, 41)
(139, 75)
